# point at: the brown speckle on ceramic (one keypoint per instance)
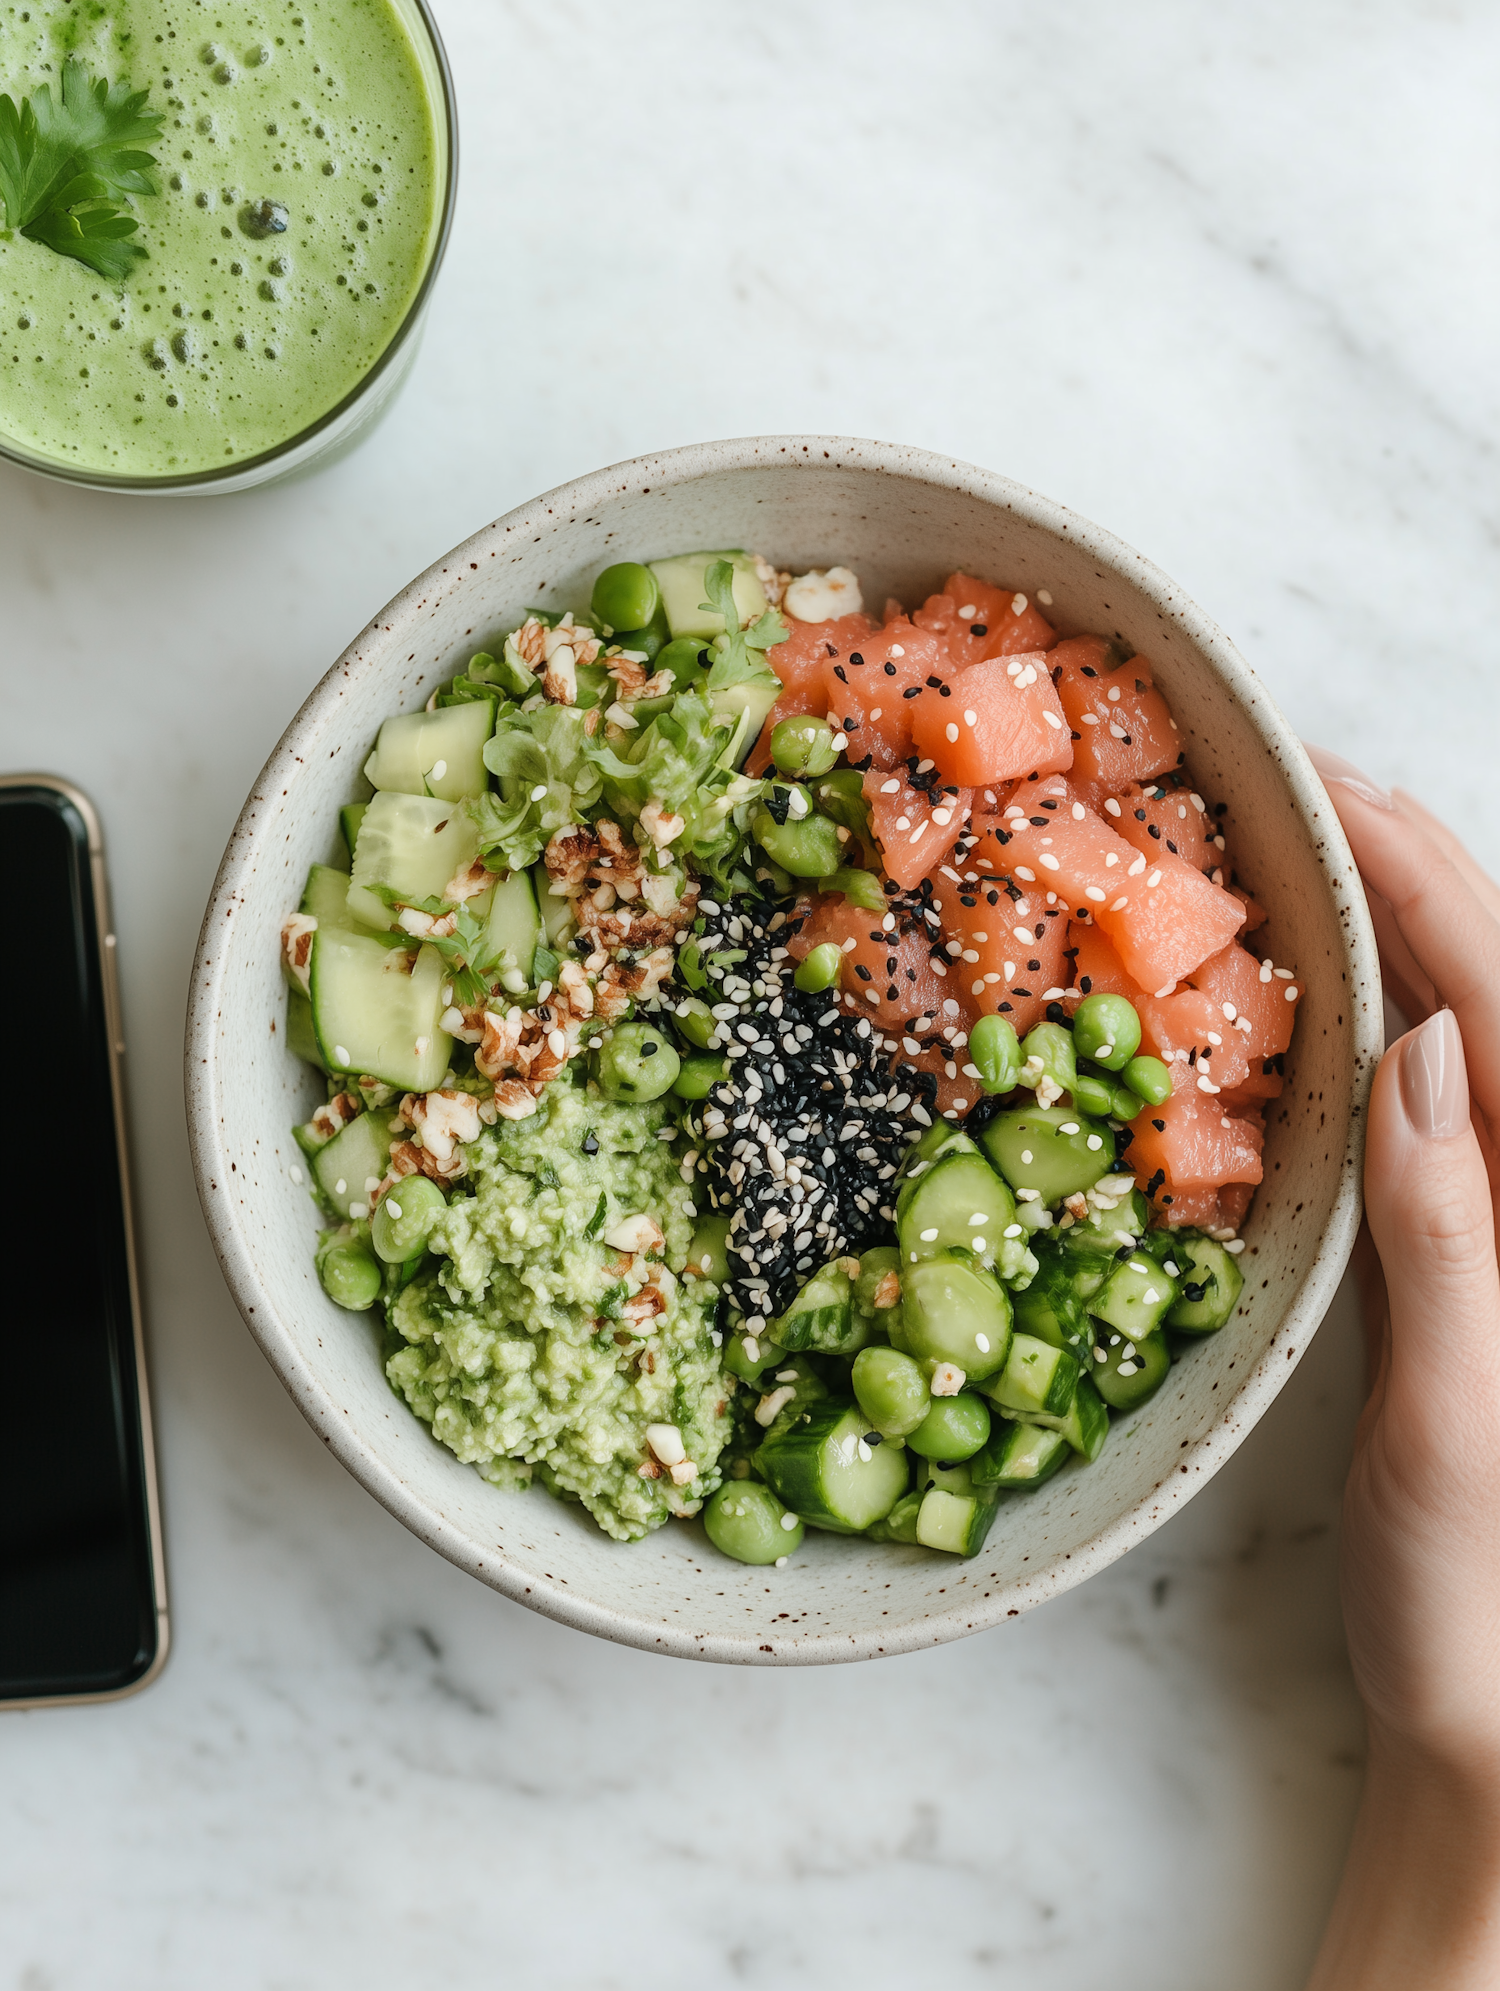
(903, 519)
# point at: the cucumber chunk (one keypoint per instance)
(1087, 1424)
(956, 1522)
(900, 1525)
(1136, 1296)
(1038, 1382)
(939, 1140)
(413, 846)
(1133, 1371)
(514, 926)
(434, 753)
(375, 1009)
(683, 592)
(326, 898)
(1031, 1150)
(348, 1166)
(301, 1038)
(822, 1468)
(952, 1311)
(1211, 1283)
(350, 817)
(961, 1203)
(1019, 1456)
(1051, 1307)
(820, 1316)
(558, 923)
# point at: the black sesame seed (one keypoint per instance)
(979, 629)
(856, 658)
(890, 670)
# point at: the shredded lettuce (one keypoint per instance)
(740, 654)
(547, 781)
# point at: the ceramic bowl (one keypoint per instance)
(903, 519)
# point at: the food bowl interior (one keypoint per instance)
(902, 520)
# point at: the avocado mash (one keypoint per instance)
(534, 1344)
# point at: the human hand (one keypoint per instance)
(1420, 1547)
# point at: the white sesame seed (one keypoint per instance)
(1026, 1155)
(942, 816)
(341, 1187)
(982, 1343)
(1095, 1142)
(968, 612)
(1111, 806)
(877, 712)
(1291, 994)
(539, 793)
(951, 731)
(1018, 604)
(296, 1174)
(971, 717)
(1093, 892)
(897, 651)
(341, 1056)
(1053, 720)
(890, 787)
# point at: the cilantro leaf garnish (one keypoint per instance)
(66, 168)
(743, 653)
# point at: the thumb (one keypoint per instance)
(1427, 1195)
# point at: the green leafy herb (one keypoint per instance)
(595, 1223)
(860, 888)
(66, 168)
(547, 780)
(742, 654)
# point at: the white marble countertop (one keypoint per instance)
(1213, 277)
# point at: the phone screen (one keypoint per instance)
(78, 1590)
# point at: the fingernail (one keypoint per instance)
(1333, 767)
(1434, 1078)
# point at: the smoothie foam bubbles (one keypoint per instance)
(301, 166)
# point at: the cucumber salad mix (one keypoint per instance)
(785, 1065)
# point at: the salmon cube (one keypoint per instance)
(1165, 814)
(915, 826)
(871, 689)
(1189, 1142)
(998, 719)
(1006, 948)
(799, 661)
(889, 973)
(1257, 1003)
(975, 620)
(1122, 730)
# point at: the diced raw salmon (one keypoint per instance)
(1097, 969)
(871, 689)
(799, 661)
(888, 974)
(1011, 951)
(976, 620)
(1122, 730)
(1164, 918)
(1165, 815)
(1256, 1002)
(956, 1093)
(915, 827)
(1189, 1142)
(993, 722)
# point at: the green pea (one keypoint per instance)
(696, 1021)
(650, 641)
(955, 1428)
(636, 1062)
(404, 1216)
(995, 1053)
(891, 1389)
(708, 1255)
(803, 745)
(807, 846)
(686, 657)
(350, 1275)
(625, 595)
(1054, 1046)
(1107, 1029)
(1149, 1078)
(821, 968)
(698, 1075)
(745, 1520)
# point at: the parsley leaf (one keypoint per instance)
(743, 654)
(67, 167)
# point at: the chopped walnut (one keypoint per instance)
(887, 1293)
(468, 882)
(1077, 1206)
(536, 644)
(444, 1119)
(568, 857)
(408, 1159)
(514, 1101)
(339, 1111)
(660, 823)
(427, 926)
(773, 581)
(635, 1234)
(297, 930)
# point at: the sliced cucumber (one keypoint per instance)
(1132, 1371)
(939, 1139)
(744, 707)
(301, 1038)
(952, 1311)
(348, 1167)
(434, 753)
(558, 923)
(414, 847)
(959, 1202)
(514, 925)
(375, 1010)
(956, 1522)
(1087, 1424)
(1051, 1307)
(326, 898)
(1136, 1296)
(1211, 1284)
(350, 817)
(1019, 1455)
(1103, 1232)
(820, 1316)
(824, 1471)
(900, 1525)
(1031, 1150)
(1038, 1382)
(683, 592)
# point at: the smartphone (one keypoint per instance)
(83, 1611)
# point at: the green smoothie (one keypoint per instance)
(301, 173)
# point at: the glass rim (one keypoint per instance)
(196, 480)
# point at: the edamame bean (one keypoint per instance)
(1150, 1079)
(695, 1021)
(891, 1389)
(747, 1367)
(803, 745)
(820, 970)
(625, 595)
(1054, 1047)
(350, 1275)
(698, 1075)
(955, 1428)
(403, 1217)
(1107, 1029)
(708, 1254)
(995, 1053)
(745, 1520)
(807, 846)
(686, 657)
(1093, 1095)
(636, 1062)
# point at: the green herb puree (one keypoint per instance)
(516, 1348)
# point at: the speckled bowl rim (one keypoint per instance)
(1200, 1458)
